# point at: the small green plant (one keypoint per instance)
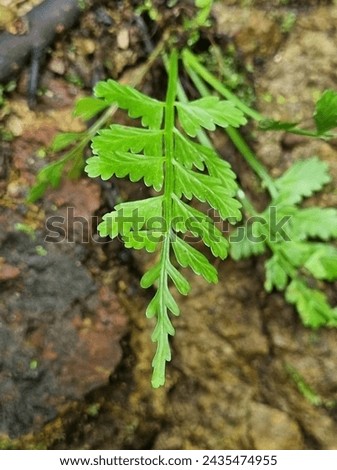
(169, 149)
(168, 160)
(306, 390)
(284, 229)
(296, 257)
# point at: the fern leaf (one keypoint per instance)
(244, 243)
(129, 216)
(219, 169)
(298, 252)
(49, 176)
(151, 276)
(186, 218)
(191, 154)
(315, 222)
(160, 336)
(326, 112)
(192, 258)
(187, 153)
(207, 113)
(271, 125)
(301, 180)
(64, 139)
(137, 104)
(311, 304)
(276, 276)
(207, 189)
(180, 282)
(323, 262)
(139, 239)
(159, 306)
(124, 138)
(86, 108)
(121, 164)
(161, 154)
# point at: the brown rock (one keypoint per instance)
(8, 272)
(255, 32)
(271, 428)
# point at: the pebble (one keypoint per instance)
(14, 125)
(123, 39)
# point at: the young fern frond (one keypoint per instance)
(291, 233)
(164, 156)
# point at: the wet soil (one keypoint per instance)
(75, 349)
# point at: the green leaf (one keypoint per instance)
(203, 3)
(208, 112)
(207, 189)
(329, 265)
(161, 302)
(129, 216)
(158, 307)
(274, 224)
(64, 139)
(150, 277)
(124, 138)
(244, 242)
(137, 166)
(181, 283)
(191, 154)
(37, 191)
(187, 153)
(297, 253)
(137, 104)
(312, 305)
(219, 169)
(163, 355)
(77, 163)
(315, 222)
(325, 114)
(276, 276)
(154, 306)
(301, 180)
(190, 257)
(86, 108)
(323, 262)
(188, 219)
(139, 239)
(271, 125)
(50, 175)
(170, 303)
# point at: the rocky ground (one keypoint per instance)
(75, 348)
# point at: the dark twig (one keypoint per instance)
(46, 20)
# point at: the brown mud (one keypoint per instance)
(75, 349)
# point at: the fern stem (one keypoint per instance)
(192, 62)
(239, 142)
(252, 161)
(158, 376)
(169, 136)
